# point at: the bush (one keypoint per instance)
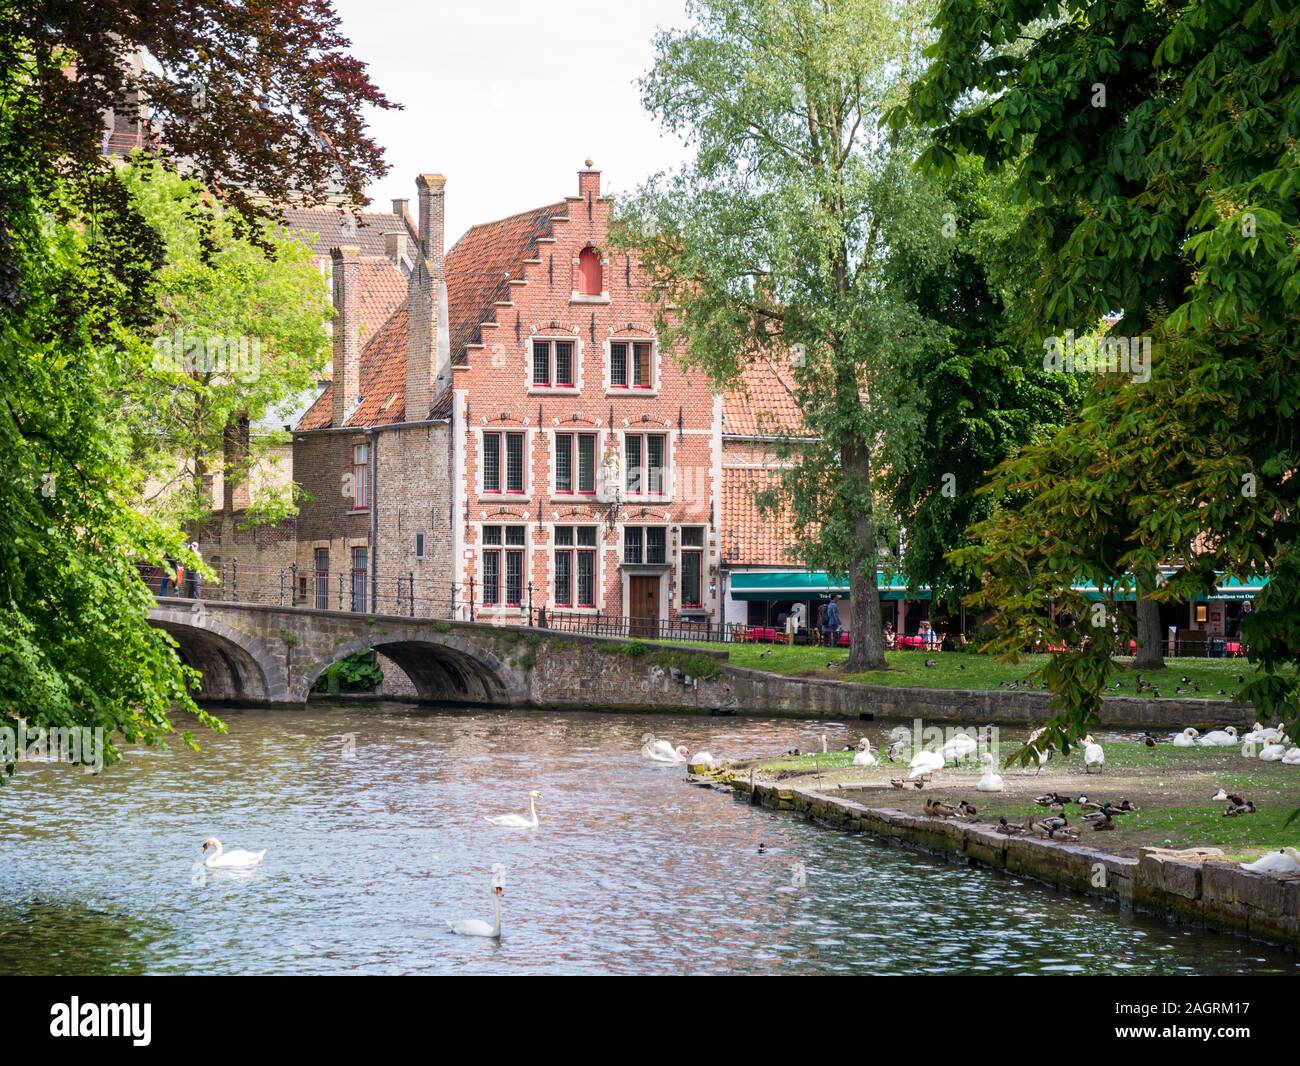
(357, 673)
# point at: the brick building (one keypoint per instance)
(515, 436)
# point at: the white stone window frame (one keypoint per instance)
(641, 429)
(550, 337)
(502, 609)
(598, 549)
(656, 382)
(502, 496)
(575, 496)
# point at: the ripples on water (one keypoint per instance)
(632, 870)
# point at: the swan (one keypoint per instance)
(703, 758)
(1220, 738)
(990, 782)
(923, 763)
(1292, 757)
(864, 756)
(1272, 753)
(476, 927)
(1092, 754)
(958, 747)
(665, 752)
(237, 859)
(1286, 861)
(518, 821)
(1186, 738)
(1262, 735)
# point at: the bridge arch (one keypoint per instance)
(444, 668)
(235, 665)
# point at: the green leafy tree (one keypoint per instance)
(263, 97)
(242, 333)
(1156, 149)
(796, 233)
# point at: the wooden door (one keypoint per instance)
(643, 610)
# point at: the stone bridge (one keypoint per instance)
(255, 653)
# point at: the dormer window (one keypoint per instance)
(590, 275)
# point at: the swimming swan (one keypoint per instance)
(475, 927)
(518, 821)
(665, 752)
(238, 859)
(991, 781)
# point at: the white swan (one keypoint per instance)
(702, 758)
(923, 763)
(1092, 754)
(991, 781)
(1286, 861)
(1262, 735)
(518, 821)
(959, 746)
(665, 752)
(475, 927)
(1272, 753)
(1292, 757)
(863, 757)
(1186, 739)
(1220, 738)
(236, 859)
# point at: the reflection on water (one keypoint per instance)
(374, 824)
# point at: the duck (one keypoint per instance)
(1220, 738)
(1092, 754)
(900, 782)
(518, 821)
(1218, 796)
(1285, 861)
(478, 927)
(1235, 809)
(1051, 799)
(967, 810)
(1010, 828)
(864, 757)
(1186, 739)
(938, 809)
(990, 781)
(1055, 828)
(1272, 753)
(235, 859)
(925, 763)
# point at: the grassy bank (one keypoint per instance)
(1170, 786)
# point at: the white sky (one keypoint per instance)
(508, 97)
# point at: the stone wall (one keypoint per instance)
(1216, 894)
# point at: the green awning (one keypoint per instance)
(1225, 588)
(813, 584)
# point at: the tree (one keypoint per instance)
(986, 393)
(1155, 148)
(793, 235)
(242, 331)
(261, 97)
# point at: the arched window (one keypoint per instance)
(589, 273)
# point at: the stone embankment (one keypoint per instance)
(1195, 886)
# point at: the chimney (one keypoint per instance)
(395, 246)
(431, 187)
(428, 337)
(347, 337)
(399, 207)
(589, 182)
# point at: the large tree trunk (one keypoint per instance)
(867, 650)
(1150, 641)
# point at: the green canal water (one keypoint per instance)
(373, 821)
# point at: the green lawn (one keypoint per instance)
(1216, 678)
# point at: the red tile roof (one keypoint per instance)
(749, 536)
(327, 227)
(381, 290)
(479, 269)
(763, 404)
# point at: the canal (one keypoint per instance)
(373, 821)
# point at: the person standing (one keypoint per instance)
(169, 577)
(821, 624)
(833, 623)
(191, 574)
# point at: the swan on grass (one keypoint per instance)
(1292, 757)
(1286, 861)
(923, 764)
(477, 927)
(1272, 753)
(1186, 739)
(1092, 755)
(1220, 738)
(958, 747)
(518, 821)
(863, 756)
(235, 859)
(990, 781)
